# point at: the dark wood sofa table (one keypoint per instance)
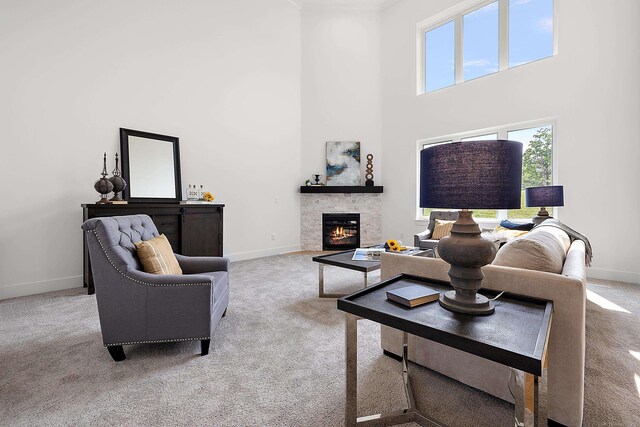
(516, 335)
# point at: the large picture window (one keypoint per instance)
(537, 162)
(478, 38)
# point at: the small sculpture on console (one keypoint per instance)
(103, 185)
(369, 171)
(119, 184)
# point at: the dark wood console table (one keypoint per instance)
(192, 229)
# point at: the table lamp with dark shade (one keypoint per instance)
(469, 175)
(543, 197)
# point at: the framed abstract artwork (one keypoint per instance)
(343, 163)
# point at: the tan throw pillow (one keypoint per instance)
(442, 229)
(537, 250)
(157, 256)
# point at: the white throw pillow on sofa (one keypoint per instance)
(543, 249)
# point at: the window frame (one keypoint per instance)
(456, 14)
(502, 131)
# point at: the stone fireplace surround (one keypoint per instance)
(312, 206)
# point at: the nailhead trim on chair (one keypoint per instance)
(139, 281)
(157, 341)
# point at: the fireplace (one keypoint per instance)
(340, 231)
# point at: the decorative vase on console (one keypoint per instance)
(119, 184)
(103, 185)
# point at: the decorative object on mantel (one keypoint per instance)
(543, 197)
(343, 163)
(103, 185)
(369, 171)
(207, 197)
(316, 177)
(469, 175)
(119, 184)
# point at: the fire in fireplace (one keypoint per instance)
(340, 231)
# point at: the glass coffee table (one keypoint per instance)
(344, 260)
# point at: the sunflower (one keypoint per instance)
(207, 196)
(393, 245)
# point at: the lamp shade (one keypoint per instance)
(551, 195)
(471, 175)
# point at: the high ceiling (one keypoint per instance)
(354, 3)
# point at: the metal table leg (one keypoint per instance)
(351, 342)
(531, 400)
(351, 408)
(366, 279)
(321, 293)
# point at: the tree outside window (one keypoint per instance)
(537, 164)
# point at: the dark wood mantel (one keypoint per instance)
(340, 189)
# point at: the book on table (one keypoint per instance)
(412, 296)
(367, 254)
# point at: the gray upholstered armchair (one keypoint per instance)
(423, 240)
(138, 307)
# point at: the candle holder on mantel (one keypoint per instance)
(103, 185)
(119, 184)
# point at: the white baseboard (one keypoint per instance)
(30, 288)
(241, 256)
(618, 276)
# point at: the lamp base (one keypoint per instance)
(541, 216)
(467, 252)
(481, 306)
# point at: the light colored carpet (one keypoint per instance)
(277, 359)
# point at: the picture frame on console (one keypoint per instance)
(150, 166)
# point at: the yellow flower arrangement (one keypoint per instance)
(208, 197)
(393, 245)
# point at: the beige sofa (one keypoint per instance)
(565, 373)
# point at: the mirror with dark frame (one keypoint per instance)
(151, 166)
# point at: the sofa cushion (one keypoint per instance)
(157, 256)
(558, 233)
(542, 249)
(442, 229)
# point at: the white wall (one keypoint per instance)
(592, 89)
(222, 75)
(341, 86)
